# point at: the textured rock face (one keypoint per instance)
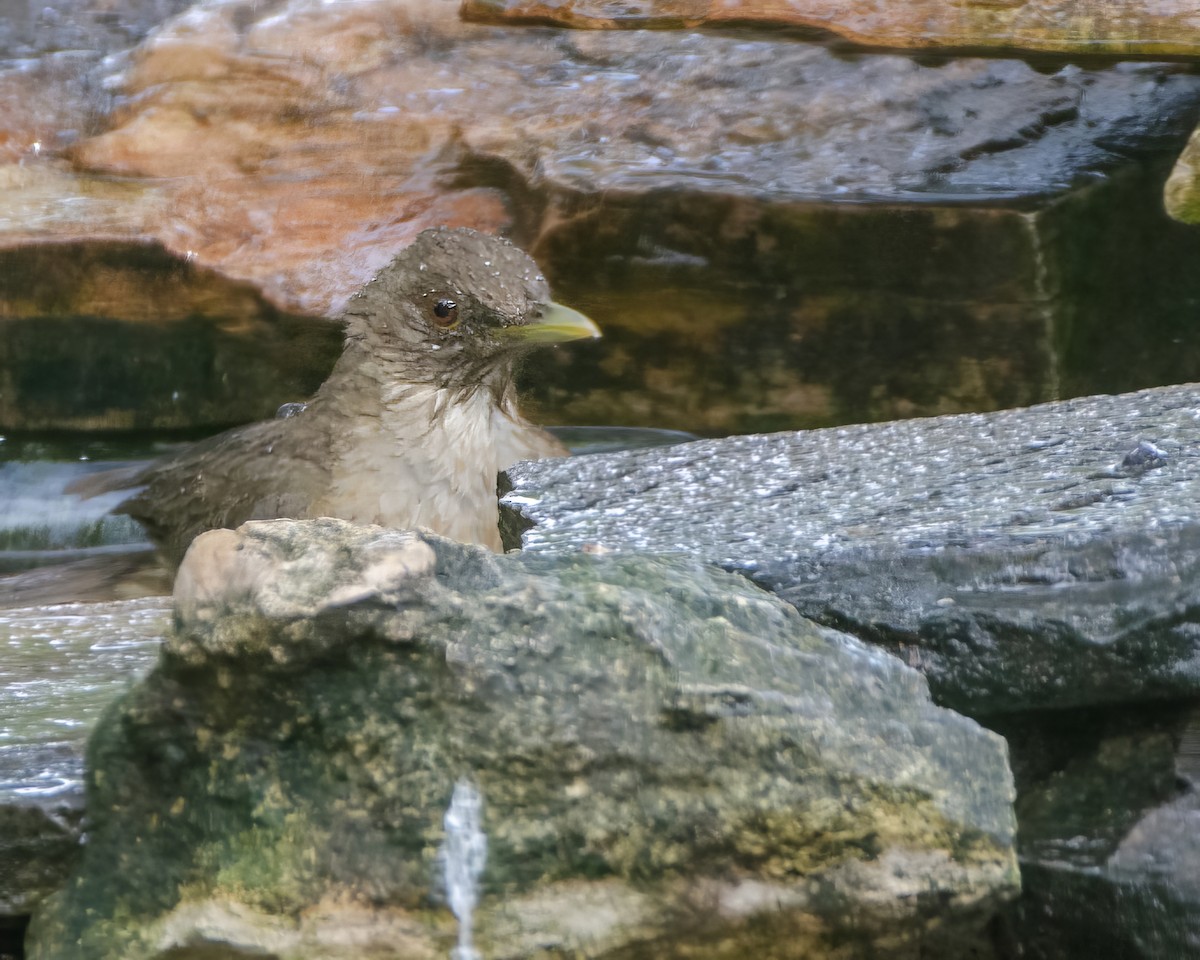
(1027, 558)
(672, 181)
(1109, 26)
(1042, 558)
(1182, 191)
(1107, 814)
(669, 758)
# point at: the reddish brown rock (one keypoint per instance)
(305, 173)
(1074, 26)
(275, 168)
(34, 116)
(653, 172)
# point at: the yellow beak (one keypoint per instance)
(552, 323)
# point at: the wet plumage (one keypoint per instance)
(416, 419)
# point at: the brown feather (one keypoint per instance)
(411, 427)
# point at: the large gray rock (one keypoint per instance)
(672, 762)
(1040, 557)
(1035, 558)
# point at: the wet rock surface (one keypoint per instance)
(123, 336)
(1106, 807)
(744, 316)
(669, 758)
(1058, 25)
(1025, 558)
(1038, 565)
(667, 178)
(31, 28)
(1182, 191)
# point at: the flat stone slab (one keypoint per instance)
(1043, 557)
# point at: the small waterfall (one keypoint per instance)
(39, 521)
(463, 855)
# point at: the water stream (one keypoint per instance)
(59, 668)
(40, 522)
(463, 856)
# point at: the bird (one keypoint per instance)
(416, 419)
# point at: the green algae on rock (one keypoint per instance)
(672, 761)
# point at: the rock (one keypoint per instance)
(1027, 558)
(146, 341)
(106, 575)
(1182, 191)
(1072, 26)
(50, 53)
(299, 174)
(34, 28)
(1107, 816)
(739, 315)
(670, 759)
(1040, 558)
(62, 666)
(817, 258)
(39, 842)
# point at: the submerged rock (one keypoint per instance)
(1107, 812)
(125, 336)
(672, 762)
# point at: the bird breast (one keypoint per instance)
(425, 460)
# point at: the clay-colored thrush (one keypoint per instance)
(415, 421)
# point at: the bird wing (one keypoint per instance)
(257, 472)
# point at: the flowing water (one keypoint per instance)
(41, 522)
(61, 666)
(64, 660)
(463, 856)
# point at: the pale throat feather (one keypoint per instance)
(428, 457)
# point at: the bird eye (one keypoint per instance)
(445, 313)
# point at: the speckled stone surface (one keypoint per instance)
(1042, 557)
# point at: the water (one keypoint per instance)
(60, 666)
(40, 517)
(41, 523)
(463, 855)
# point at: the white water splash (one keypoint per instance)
(463, 855)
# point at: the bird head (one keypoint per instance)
(458, 307)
